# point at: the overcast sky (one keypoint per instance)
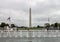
(18, 10)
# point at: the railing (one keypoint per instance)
(30, 33)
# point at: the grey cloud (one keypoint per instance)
(41, 8)
(42, 19)
(14, 5)
(46, 8)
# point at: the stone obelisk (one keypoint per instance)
(29, 17)
(30, 23)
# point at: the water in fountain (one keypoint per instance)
(33, 33)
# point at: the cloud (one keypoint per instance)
(18, 10)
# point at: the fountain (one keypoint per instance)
(30, 34)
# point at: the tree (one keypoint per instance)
(38, 26)
(6, 24)
(47, 25)
(59, 26)
(56, 24)
(2, 25)
(52, 25)
(12, 25)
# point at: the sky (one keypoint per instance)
(18, 10)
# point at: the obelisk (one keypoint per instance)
(29, 17)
